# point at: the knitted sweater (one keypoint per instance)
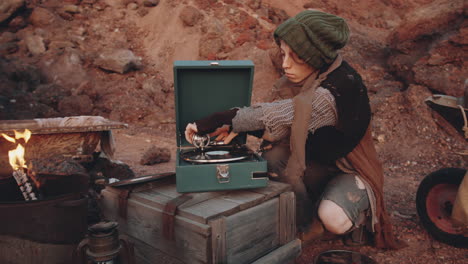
(277, 117)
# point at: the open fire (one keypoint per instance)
(18, 163)
(46, 192)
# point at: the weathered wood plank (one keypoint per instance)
(223, 203)
(287, 217)
(204, 211)
(168, 190)
(109, 206)
(61, 125)
(285, 254)
(160, 199)
(200, 197)
(146, 193)
(153, 184)
(147, 254)
(252, 233)
(151, 198)
(273, 189)
(145, 223)
(218, 240)
(200, 208)
(245, 199)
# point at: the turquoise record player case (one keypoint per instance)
(202, 88)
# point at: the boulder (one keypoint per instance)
(155, 155)
(118, 60)
(427, 48)
(14, 72)
(446, 77)
(50, 94)
(41, 17)
(61, 45)
(436, 17)
(75, 105)
(190, 16)
(8, 37)
(154, 87)
(17, 23)
(150, 3)
(209, 46)
(8, 7)
(35, 44)
(66, 69)
(8, 48)
(73, 2)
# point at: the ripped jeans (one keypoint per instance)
(322, 182)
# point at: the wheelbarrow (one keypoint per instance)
(442, 196)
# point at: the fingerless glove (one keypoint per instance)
(211, 123)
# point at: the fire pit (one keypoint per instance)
(55, 224)
(73, 137)
(57, 220)
(43, 201)
(42, 230)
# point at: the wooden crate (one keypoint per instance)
(242, 226)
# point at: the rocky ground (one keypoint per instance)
(113, 58)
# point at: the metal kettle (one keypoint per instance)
(104, 245)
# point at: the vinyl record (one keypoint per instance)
(214, 155)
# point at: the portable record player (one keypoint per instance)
(202, 88)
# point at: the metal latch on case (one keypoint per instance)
(222, 173)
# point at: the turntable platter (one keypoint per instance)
(214, 155)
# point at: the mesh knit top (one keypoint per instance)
(277, 117)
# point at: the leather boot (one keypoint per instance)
(316, 232)
(305, 211)
(357, 237)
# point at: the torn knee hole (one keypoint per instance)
(359, 183)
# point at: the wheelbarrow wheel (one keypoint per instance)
(434, 202)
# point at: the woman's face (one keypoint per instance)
(295, 69)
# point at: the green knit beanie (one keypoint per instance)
(314, 36)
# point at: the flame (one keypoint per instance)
(26, 135)
(12, 140)
(16, 156)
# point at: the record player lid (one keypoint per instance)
(204, 87)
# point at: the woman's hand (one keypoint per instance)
(190, 130)
(222, 133)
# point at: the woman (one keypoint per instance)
(317, 133)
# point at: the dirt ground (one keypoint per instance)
(405, 51)
(400, 191)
